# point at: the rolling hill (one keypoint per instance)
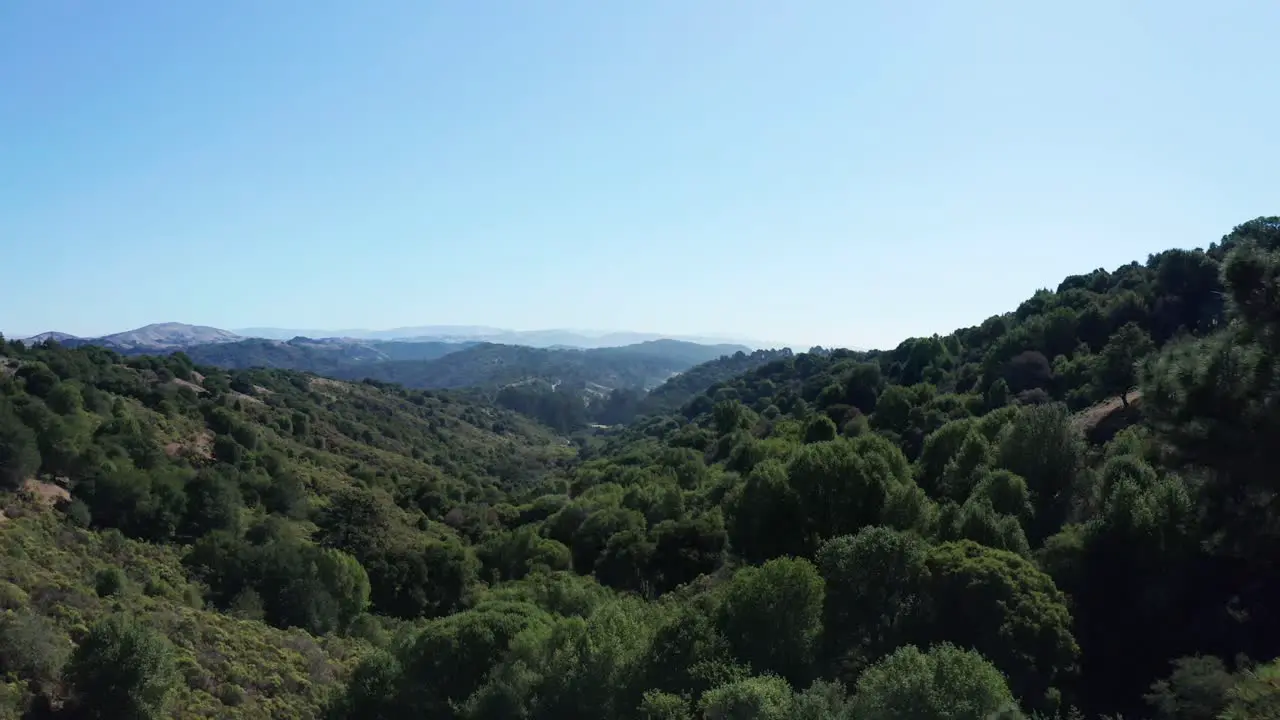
(597, 371)
(329, 356)
(827, 535)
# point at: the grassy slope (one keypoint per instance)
(230, 667)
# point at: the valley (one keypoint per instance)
(1064, 511)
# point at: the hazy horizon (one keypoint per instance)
(454, 332)
(842, 174)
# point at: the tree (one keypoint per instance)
(1197, 689)
(450, 658)
(689, 655)
(820, 428)
(31, 648)
(1000, 604)
(591, 538)
(772, 616)
(873, 583)
(1043, 447)
(1256, 695)
(213, 503)
(766, 697)
(943, 683)
(123, 670)
(844, 485)
(766, 516)
(514, 554)
(429, 581)
(1116, 371)
(19, 450)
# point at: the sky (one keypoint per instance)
(815, 172)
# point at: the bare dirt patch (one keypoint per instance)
(200, 446)
(46, 492)
(192, 386)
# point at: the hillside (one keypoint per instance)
(328, 356)
(274, 463)
(924, 532)
(490, 366)
(158, 337)
(549, 338)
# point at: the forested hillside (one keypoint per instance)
(1068, 511)
(218, 507)
(322, 357)
(626, 404)
(487, 365)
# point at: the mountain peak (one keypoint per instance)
(170, 335)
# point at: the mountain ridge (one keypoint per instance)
(171, 335)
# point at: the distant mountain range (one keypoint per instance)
(464, 357)
(172, 336)
(585, 339)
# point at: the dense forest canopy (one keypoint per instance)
(563, 388)
(1066, 511)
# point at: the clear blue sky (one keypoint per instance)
(835, 172)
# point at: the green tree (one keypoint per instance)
(123, 670)
(31, 648)
(1044, 448)
(845, 485)
(765, 697)
(1197, 689)
(664, 706)
(766, 518)
(1004, 607)
(450, 658)
(1116, 371)
(689, 654)
(873, 585)
(943, 683)
(591, 538)
(432, 580)
(1256, 695)
(820, 428)
(19, 449)
(514, 554)
(213, 503)
(772, 616)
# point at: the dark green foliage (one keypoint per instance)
(19, 449)
(109, 581)
(802, 524)
(772, 616)
(122, 670)
(1197, 689)
(874, 585)
(944, 683)
(31, 648)
(1117, 372)
(297, 584)
(1002, 606)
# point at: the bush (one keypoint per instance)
(31, 648)
(109, 581)
(122, 670)
(944, 683)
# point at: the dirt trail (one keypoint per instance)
(1090, 417)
